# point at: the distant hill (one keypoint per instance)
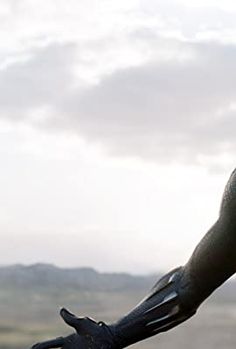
(47, 277)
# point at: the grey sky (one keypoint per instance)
(181, 108)
(111, 113)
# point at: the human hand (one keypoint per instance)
(89, 335)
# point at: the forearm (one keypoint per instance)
(162, 309)
(177, 295)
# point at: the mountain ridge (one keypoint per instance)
(49, 277)
(42, 275)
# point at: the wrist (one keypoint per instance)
(112, 338)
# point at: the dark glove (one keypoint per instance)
(89, 334)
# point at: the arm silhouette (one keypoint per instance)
(175, 297)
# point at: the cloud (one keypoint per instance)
(174, 110)
(168, 110)
(39, 81)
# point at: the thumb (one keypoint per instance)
(83, 325)
(71, 319)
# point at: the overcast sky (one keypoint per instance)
(117, 129)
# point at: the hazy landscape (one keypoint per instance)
(117, 139)
(30, 298)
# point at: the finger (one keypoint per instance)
(53, 343)
(83, 325)
(71, 319)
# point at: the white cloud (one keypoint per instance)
(225, 5)
(168, 110)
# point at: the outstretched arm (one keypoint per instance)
(175, 297)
